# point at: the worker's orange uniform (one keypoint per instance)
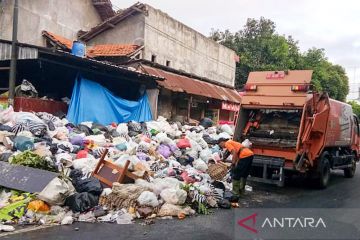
(244, 152)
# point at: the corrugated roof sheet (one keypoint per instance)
(179, 83)
(112, 50)
(23, 52)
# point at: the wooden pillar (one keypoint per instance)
(189, 108)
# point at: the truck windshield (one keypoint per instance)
(275, 128)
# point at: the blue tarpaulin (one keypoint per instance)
(92, 102)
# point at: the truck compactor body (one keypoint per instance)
(295, 131)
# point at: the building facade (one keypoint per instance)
(170, 43)
(181, 55)
(199, 73)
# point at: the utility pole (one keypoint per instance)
(12, 75)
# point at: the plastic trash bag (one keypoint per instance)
(246, 143)
(205, 155)
(183, 143)
(91, 185)
(223, 135)
(224, 203)
(67, 220)
(174, 196)
(81, 202)
(200, 165)
(163, 183)
(173, 210)
(164, 150)
(22, 143)
(7, 115)
(38, 206)
(206, 122)
(226, 128)
(6, 228)
(122, 129)
(56, 191)
(123, 217)
(147, 198)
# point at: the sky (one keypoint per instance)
(330, 24)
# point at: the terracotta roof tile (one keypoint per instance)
(108, 50)
(101, 50)
(64, 42)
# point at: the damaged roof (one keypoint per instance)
(28, 51)
(100, 50)
(104, 8)
(179, 83)
(61, 41)
(111, 22)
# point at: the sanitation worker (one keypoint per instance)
(242, 158)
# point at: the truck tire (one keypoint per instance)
(322, 180)
(350, 172)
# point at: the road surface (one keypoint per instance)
(342, 192)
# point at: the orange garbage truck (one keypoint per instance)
(294, 130)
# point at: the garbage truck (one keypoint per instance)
(296, 131)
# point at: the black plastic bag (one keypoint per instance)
(224, 203)
(81, 202)
(91, 185)
(83, 129)
(218, 184)
(75, 175)
(206, 122)
(100, 127)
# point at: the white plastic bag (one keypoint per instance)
(205, 155)
(56, 191)
(223, 135)
(173, 210)
(226, 128)
(174, 196)
(246, 143)
(7, 115)
(67, 220)
(163, 183)
(122, 129)
(86, 165)
(200, 165)
(147, 198)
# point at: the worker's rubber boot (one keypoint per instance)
(242, 186)
(235, 191)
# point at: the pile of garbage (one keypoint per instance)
(176, 166)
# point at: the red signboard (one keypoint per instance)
(230, 106)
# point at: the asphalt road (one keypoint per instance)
(342, 192)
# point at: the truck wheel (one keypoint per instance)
(323, 173)
(350, 172)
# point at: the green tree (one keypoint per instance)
(356, 107)
(260, 48)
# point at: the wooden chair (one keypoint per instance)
(108, 172)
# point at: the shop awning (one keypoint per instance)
(179, 83)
